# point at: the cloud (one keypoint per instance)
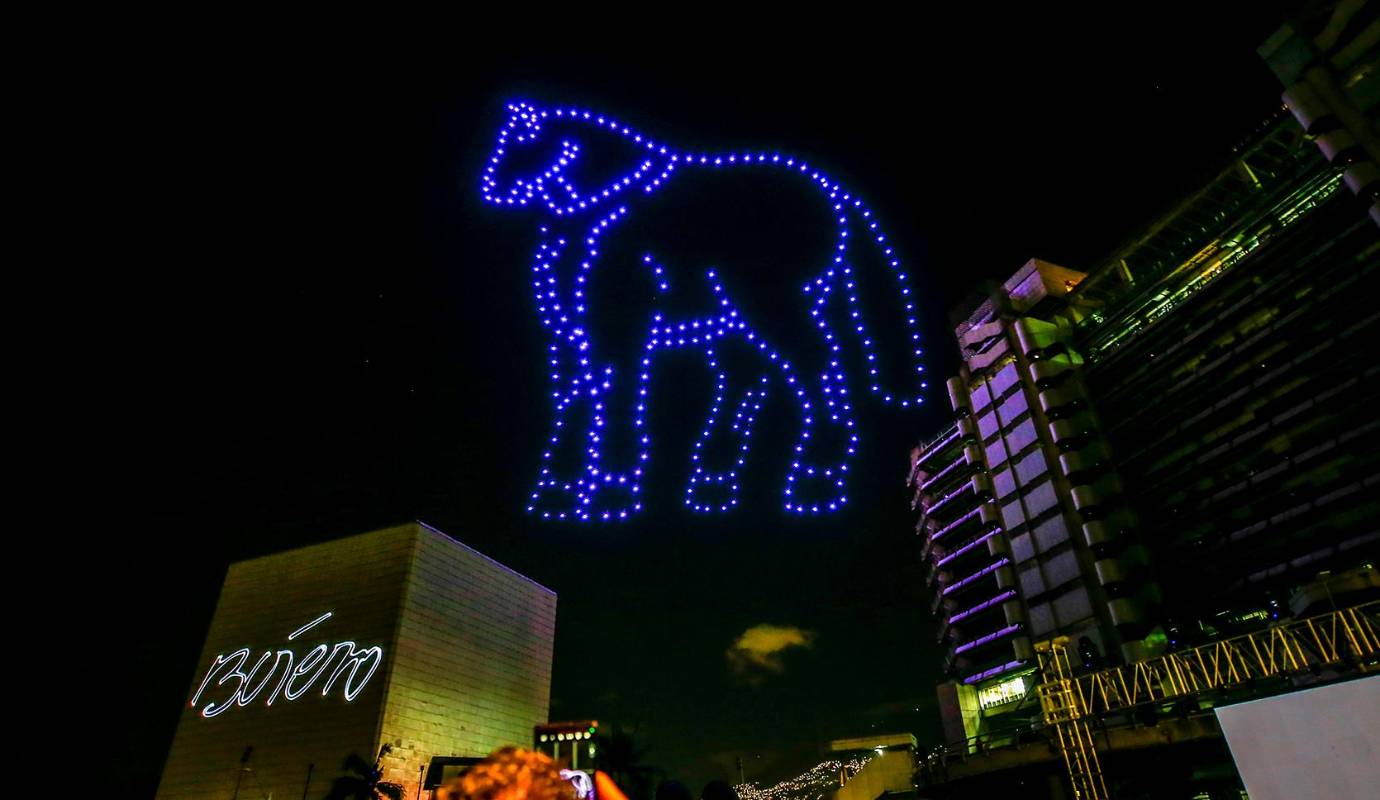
(758, 650)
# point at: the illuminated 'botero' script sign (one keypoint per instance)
(290, 677)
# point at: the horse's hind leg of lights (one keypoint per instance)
(721, 450)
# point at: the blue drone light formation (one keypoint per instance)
(581, 383)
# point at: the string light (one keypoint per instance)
(583, 388)
(815, 783)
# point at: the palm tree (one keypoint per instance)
(367, 781)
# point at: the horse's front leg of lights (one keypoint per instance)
(575, 481)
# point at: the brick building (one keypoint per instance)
(401, 637)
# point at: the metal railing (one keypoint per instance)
(1293, 647)
(1345, 637)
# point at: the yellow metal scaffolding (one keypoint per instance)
(1065, 712)
(1349, 637)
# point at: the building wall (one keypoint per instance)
(466, 664)
(360, 579)
(889, 771)
(473, 658)
(1248, 475)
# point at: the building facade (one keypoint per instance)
(393, 647)
(1170, 446)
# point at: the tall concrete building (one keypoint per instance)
(402, 638)
(1174, 444)
(1327, 61)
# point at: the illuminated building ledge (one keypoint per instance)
(947, 529)
(968, 547)
(995, 671)
(943, 473)
(969, 487)
(937, 447)
(983, 606)
(987, 570)
(991, 637)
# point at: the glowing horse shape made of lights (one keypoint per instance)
(576, 221)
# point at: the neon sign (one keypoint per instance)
(577, 219)
(292, 681)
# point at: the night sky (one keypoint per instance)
(311, 326)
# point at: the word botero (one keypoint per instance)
(598, 397)
(294, 679)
